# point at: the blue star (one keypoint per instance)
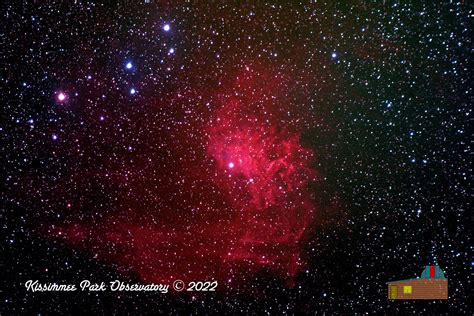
(129, 65)
(133, 91)
(166, 27)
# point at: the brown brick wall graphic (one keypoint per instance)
(432, 285)
(428, 289)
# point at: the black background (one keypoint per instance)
(397, 90)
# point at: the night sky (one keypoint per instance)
(301, 155)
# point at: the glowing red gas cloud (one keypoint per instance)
(246, 204)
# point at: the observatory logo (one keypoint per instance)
(432, 285)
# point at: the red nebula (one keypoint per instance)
(245, 205)
(266, 176)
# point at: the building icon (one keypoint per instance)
(432, 285)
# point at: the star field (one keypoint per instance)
(300, 154)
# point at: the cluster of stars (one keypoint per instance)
(303, 155)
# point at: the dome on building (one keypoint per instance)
(432, 272)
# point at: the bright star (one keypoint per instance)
(133, 91)
(171, 51)
(334, 55)
(231, 165)
(61, 96)
(129, 65)
(166, 27)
